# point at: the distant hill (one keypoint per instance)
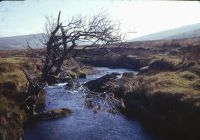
(20, 42)
(188, 31)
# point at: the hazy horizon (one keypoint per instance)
(142, 17)
(130, 38)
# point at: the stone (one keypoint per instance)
(52, 114)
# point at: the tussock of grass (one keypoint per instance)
(12, 85)
(175, 60)
(174, 82)
(12, 79)
(188, 75)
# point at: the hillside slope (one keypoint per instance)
(187, 31)
(20, 42)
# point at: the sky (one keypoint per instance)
(136, 17)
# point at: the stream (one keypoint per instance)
(83, 123)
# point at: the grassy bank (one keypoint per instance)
(165, 95)
(168, 101)
(12, 115)
(13, 83)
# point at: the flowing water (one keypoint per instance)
(83, 123)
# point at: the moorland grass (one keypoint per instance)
(13, 59)
(12, 83)
(174, 82)
(12, 79)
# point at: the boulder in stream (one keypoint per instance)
(52, 114)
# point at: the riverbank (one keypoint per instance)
(13, 85)
(166, 103)
(164, 95)
(12, 89)
(84, 123)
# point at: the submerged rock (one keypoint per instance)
(52, 114)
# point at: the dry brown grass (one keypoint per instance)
(174, 82)
(175, 60)
(12, 79)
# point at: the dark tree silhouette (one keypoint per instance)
(60, 42)
(97, 31)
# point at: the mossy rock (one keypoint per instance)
(52, 114)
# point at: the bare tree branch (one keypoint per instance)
(97, 31)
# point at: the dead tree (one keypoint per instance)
(97, 31)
